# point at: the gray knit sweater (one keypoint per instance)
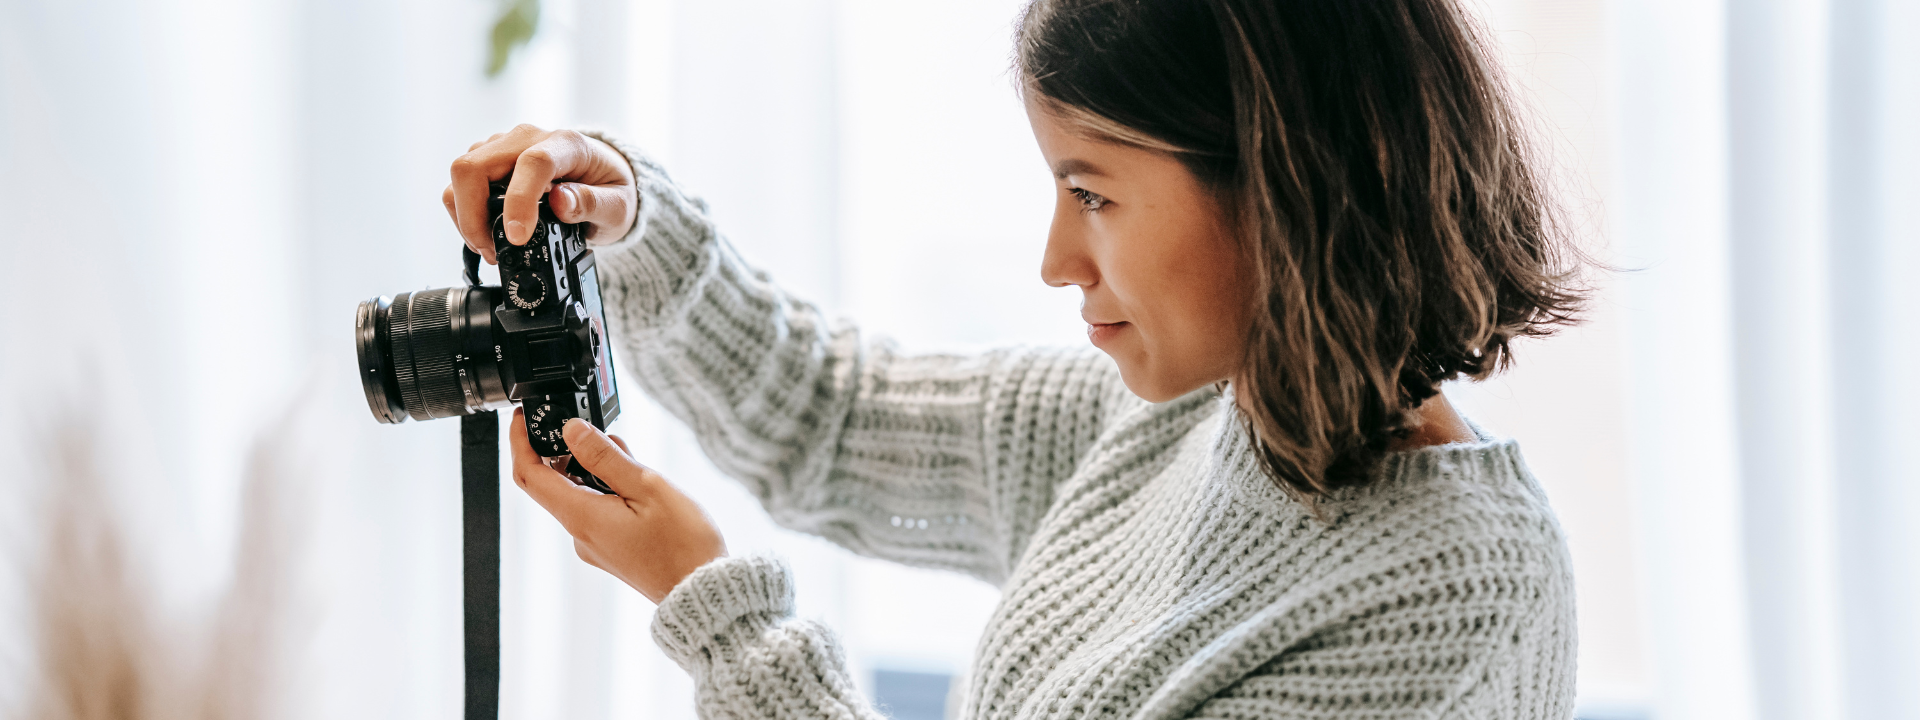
(1148, 568)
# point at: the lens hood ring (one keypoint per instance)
(373, 346)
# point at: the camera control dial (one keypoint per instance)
(527, 290)
(530, 255)
(544, 424)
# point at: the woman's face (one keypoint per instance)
(1164, 290)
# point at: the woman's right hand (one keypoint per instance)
(585, 180)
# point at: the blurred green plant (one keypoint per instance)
(518, 21)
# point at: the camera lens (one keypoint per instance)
(429, 354)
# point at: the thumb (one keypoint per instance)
(607, 209)
(553, 491)
(598, 454)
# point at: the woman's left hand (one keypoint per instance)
(649, 535)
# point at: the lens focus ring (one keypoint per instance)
(422, 331)
(400, 334)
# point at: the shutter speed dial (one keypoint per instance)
(527, 290)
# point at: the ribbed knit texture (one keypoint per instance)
(1148, 569)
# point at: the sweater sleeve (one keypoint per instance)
(944, 461)
(730, 625)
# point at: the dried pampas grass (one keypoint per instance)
(105, 651)
(96, 649)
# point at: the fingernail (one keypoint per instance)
(575, 426)
(573, 199)
(516, 229)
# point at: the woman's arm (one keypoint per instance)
(728, 621)
(731, 626)
(942, 461)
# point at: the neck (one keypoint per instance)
(1439, 425)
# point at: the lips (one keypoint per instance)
(1099, 333)
(1101, 330)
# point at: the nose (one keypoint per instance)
(1067, 261)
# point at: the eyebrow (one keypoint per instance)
(1075, 166)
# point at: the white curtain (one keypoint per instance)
(1767, 186)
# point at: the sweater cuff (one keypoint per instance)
(720, 607)
(651, 275)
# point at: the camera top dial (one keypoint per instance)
(527, 290)
(532, 255)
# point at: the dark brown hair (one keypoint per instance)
(1380, 178)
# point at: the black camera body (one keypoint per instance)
(538, 339)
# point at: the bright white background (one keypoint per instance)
(194, 194)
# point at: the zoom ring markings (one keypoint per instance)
(431, 327)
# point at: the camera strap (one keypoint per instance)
(480, 554)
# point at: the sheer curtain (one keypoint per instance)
(198, 192)
(1767, 185)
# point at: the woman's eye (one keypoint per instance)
(1089, 200)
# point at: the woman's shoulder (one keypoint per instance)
(1452, 550)
(1473, 508)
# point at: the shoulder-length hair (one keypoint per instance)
(1377, 173)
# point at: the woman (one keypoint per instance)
(1290, 222)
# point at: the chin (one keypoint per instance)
(1154, 389)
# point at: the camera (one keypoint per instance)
(538, 338)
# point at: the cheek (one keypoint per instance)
(1202, 323)
(1188, 295)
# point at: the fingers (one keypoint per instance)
(471, 173)
(622, 444)
(615, 183)
(600, 456)
(490, 138)
(558, 156)
(552, 490)
(604, 207)
(603, 195)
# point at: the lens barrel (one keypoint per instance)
(429, 354)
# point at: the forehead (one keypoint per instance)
(1055, 138)
(1071, 154)
(1077, 144)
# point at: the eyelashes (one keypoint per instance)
(1089, 200)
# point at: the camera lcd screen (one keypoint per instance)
(590, 290)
